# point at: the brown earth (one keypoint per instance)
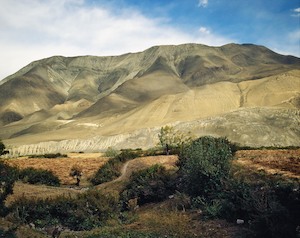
(284, 162)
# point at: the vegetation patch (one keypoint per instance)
(153, 184)
(8, 176)
(112, 168)
(49, 156)
(39, 176)
(84, 212)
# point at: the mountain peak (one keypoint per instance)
(163, 84)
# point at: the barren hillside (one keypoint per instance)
(245, 92)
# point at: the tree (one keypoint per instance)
(170, 138)
(76, 173)
(2, 149)
(204, 165)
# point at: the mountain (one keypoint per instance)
(245, 92)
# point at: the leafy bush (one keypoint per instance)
(39, 176)
(8, 176)
(111, 169)
(111, 152)
(149, 185)
(49, 156)
(271, 208)
(2, 149)
(84, 212)
(204, 165)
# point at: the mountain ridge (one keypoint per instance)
(126, 93)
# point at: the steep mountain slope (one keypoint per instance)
(79, 98)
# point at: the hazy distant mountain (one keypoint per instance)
(209, 90)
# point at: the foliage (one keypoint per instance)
(84, 212)
(154, 151)
(111, 152)
(173, 139)
(49, 156)
(111, 169)
(204, 165)
(121, 233)
(76, 172)
(211, 208)
(7, 233)
(8, 176)
(2, 149)
(39, 176)
(149, 185)
(270, 207)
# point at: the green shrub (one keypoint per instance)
(149, 185)
(204, 165)
(49, 156)
(84, 212)
(2, 149)
(108, 172)
(271, 208)
(8, 176)
(111, 169)
(111, 152)
(39, 176)
(211, 208)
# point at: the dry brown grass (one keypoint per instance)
(39, 191)
(285, 162)
(152, 218)
(61, 167)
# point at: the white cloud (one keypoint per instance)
(35, 29)
(296, 12)
(204, 30)
(202, 3)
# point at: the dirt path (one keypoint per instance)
(135, 165)
(43, 191)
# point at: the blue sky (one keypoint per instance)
(35, 29)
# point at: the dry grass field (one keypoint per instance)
(89, 162)
(284, 162)
(151, 217)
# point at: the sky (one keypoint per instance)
(34, 29)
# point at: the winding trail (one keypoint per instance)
(169, 161)
(43, 191)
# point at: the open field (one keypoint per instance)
(89, 162)
(284, 162)
(153, 217)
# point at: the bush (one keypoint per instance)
(271, 208)
(204, 165)
(8, 176)
(149, 185)
(2, 149)
(111, 152)
(39, 176)
(49, 156)
(111, 169)
(85, 212)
